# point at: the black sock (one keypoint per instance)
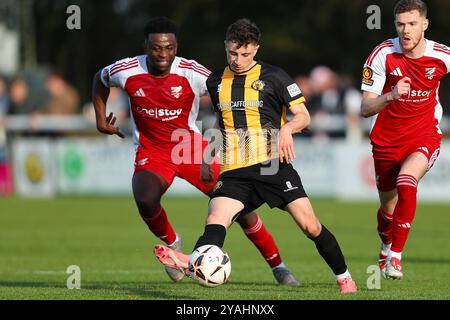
(330, 251)
(214, 234)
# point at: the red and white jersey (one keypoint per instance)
(419, 113)
(160, 105)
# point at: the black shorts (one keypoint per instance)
(253, 189)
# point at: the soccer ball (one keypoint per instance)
(209, 265)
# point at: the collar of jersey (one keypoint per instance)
(244, 72)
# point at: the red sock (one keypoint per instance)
(384, 226)
(263, 240)
(404, 210)
(161, 227)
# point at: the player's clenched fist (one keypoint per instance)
(401, 88)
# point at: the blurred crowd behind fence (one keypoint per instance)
(45, 99)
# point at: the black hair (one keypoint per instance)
(160, 25)
(243, 32)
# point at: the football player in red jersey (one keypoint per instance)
(164, 92)
(401, 90)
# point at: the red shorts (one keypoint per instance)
(388, 160)
(168, 168)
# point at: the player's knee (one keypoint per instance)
(247, 220)
(147, 206)
(215, 217)
(312, 228)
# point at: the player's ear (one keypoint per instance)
(426, 23)
(256, 49)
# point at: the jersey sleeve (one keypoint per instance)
(445, 51)
(374, 75)
(290, 93)
(111, 76)
(200, 81)
(197, 76)
(209, 89)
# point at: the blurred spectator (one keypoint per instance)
(19, 100)
(305, 86)
(4, 105)
(117, 103)
(332, 95)
(4, 97)
(63, 98)
(352, 104)
(325, 96)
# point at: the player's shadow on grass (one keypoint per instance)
(159, 290)
(149, 290)
(32, 284)
(127, 289)
(145, 290)
(274, 287)
(365, 257)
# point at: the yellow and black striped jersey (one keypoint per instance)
(251, 107)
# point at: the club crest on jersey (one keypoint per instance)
(258, 85)
(430, 73)
(367, 75)
(176, 92)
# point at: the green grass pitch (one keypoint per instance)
(105, 237)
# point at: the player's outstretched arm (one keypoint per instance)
(373, 103)
(100, 95)
(297, 124)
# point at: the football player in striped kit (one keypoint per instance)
(251, 99)
(164, 92)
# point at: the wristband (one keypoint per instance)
(389, 97)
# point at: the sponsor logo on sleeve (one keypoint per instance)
(293, 90)
(367, 76)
